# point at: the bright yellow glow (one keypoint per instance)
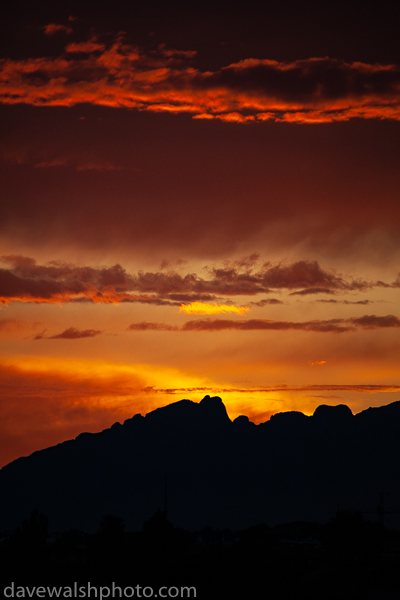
(78, 369)
(203, 308)
(123, 389)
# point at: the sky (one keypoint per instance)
(196, 200)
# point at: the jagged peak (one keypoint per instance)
(175, 410)
(214, 408)
(332, 414)
(243, 422)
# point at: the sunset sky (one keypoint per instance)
(196, 200)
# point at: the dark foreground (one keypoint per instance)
(348, 558)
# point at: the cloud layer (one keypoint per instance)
(58, 282)
(321, 326)
(117, 74)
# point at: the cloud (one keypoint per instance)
(191, 298)
(59, 161)
(317, 362)
(72, 333)
(79, 165)
(85, 47)
(374, 322)
(358, 388)
(331, 301)
(144, 326)
(54, 28)
(202, 308)
(57, 282)
(266, 301)
(324, 326)
(9, 325)
(309, 291)
(301, 274)
(60, 282)
(314, 90)
(333, 325)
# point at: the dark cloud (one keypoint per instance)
(322, 326)
(265, 301)
(301, 274)
(310, 291)
(28, 289)
(375, 322)
(58, 282)
(63, 282)
(333, 325)
(187, 298)
(331, 301)
(72, 333)
(144, 326)
(304, 274)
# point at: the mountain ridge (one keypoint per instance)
(211, 470)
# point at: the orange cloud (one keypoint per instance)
(9, 325)
(202, 308)
(85, 47)
(317, 362)
(314, 90)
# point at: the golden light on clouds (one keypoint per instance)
(317, 362)
(203, 308)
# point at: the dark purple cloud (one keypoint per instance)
(63, 282)
(72, 333)
(145, 326)
(322, 326)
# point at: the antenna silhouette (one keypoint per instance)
(166, 495)
(381, 509)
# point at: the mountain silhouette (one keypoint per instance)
(190, 459)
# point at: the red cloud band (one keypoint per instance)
(120, 75)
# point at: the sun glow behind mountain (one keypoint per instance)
(196, 210)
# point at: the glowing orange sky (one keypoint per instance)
(182, 218)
